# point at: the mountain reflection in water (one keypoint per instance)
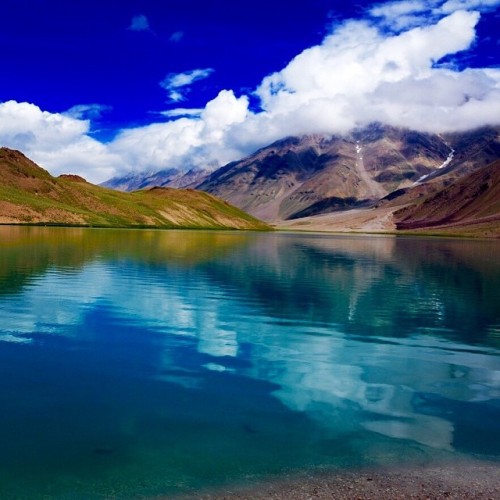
(161, 350)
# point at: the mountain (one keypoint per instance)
(472, 150)
(29, 194)
(303, 176)
(132, 181)
(300, 177)
(470, 205)
(354, 182)
(171, 177)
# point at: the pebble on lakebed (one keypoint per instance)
(461, 480)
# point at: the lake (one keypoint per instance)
(163, 362)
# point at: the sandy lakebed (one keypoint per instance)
(463, 479)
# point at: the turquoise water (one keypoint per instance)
(162, 362)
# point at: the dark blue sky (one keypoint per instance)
(60, 54)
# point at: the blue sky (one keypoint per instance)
(60, 54)
(101, 88)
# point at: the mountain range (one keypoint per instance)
(29, 194)
(298, 182)
(377, 178)
(169, 177)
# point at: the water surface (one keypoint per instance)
(162, 362)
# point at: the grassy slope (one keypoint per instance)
(29, 194)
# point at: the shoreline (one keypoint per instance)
(463, 479)
(303, 226)
(379, 220)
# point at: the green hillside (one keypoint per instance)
(30, 195)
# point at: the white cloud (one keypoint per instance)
(174, 113)
(401, 8)
(358, 75)
(185, 142)
(139, 23)
(401, 15)
(176, 83)
(404, 14)
(56, 141)
(481, 5)
(176, 96)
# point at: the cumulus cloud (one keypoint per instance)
(361, 72)
(139, 23)
(176, 83)
(186, 142)
(58, 142)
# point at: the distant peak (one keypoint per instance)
(73, 177)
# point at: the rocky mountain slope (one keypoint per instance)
(469, 205)
(29, 194)
(311, 175)
(171, 177)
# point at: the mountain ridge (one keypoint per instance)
(313, 174)
(169, 177)
(353, 182)
(472, 200)
(30, 195)
(377, 178)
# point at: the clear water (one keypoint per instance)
(162, 362)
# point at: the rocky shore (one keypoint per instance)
(462, 480)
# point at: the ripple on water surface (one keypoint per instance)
(142, 363)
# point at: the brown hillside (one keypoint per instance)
(471, 202)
